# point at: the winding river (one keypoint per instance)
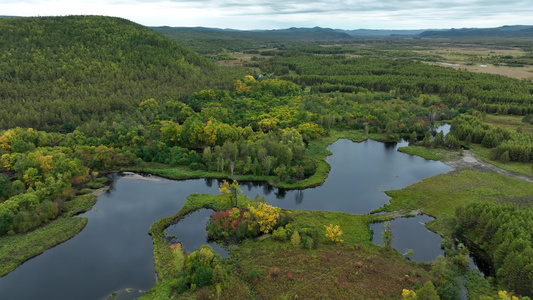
(114, 251)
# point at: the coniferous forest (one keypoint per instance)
(81, 96)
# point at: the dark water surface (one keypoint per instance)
(114, 251)
(190, 232)
(411, 233)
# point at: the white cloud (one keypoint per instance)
(348, 14)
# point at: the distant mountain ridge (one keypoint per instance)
(325, 34)
(503, 31)
(381, 32)
(293, 33)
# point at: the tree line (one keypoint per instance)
(504, 231)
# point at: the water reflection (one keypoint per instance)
(299, 197)
(411, 233)
(190, 232)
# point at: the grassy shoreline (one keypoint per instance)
(18, 248)
(317, 152)
(439, 196)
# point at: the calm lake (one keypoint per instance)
(114, 251)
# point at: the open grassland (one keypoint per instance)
(478, 58)
(508, 122)
(186, 173)
(427, 153)
(525, 72)
(329, 272)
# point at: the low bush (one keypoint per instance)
(280, 234)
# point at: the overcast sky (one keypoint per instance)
(263, 14)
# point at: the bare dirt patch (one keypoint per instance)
(525, 72)
(468, 160)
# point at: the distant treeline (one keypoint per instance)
(460, 89)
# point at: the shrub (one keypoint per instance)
(308, 243)
(233, 222)
(273, 273)
(219, 274)
(427, 292)
(295, 239)
(202, 276)
(253, 274)
(204, 294)
(247, 228)
(280, 234)
(199, 267)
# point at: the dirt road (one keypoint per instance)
(467, 160)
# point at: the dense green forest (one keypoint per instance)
(59, 72)
(484, 92)
(504, 231)
(85, 95)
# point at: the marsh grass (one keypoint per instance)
(441, 195)
(16, 249)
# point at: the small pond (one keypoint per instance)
(411, 233)
(114, 251)
(190, 232)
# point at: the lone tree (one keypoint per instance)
(386, 236)
(229, 191)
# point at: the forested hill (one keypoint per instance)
(214, 40)
(56, 72)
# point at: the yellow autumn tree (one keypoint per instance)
(46, 164)
(5, 140)
(228, 191)
(210, 131)
(334, 233)
(408, 295)
(170, 131)
(5, 162)
(239, 86)
(503, 295)
(267, 214)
